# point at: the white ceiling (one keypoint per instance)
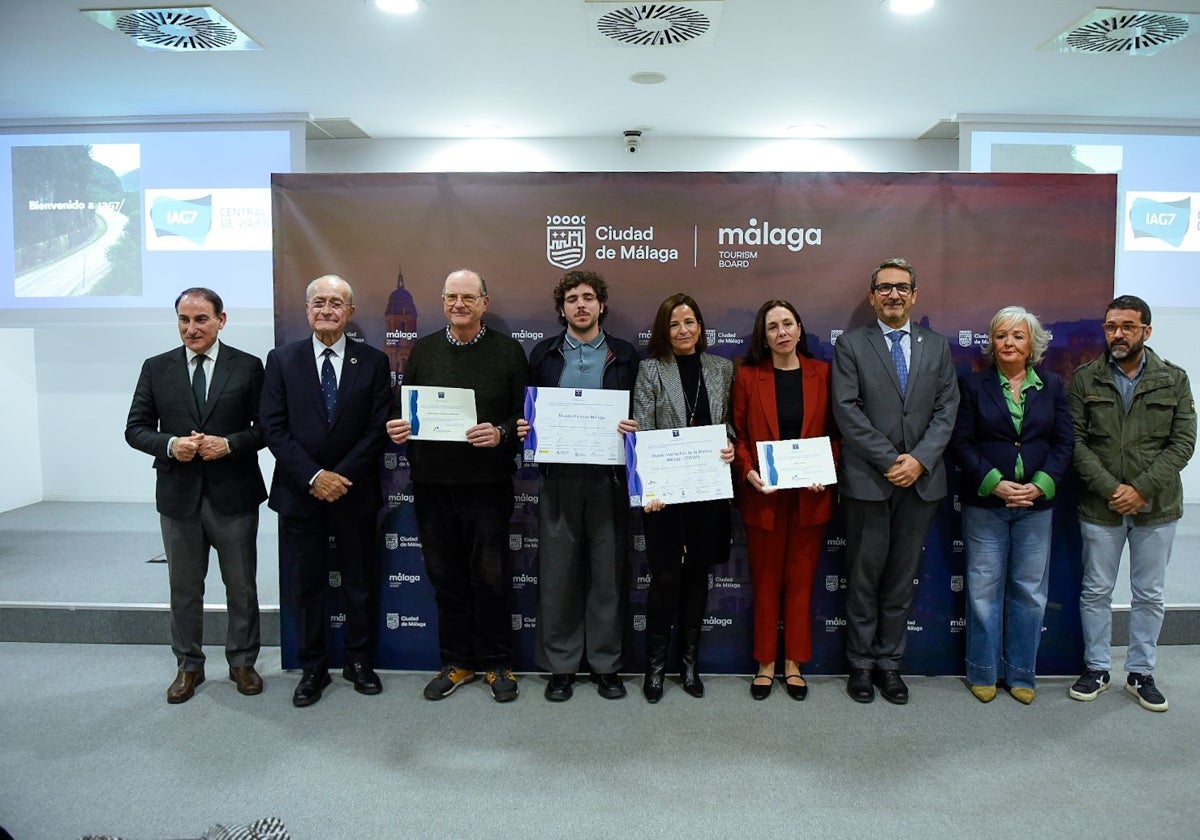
(532, 68)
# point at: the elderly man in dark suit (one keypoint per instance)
(324, 403)
(195, 410)
(895, 399)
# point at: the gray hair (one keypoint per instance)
(1039, 336)
(308, 292)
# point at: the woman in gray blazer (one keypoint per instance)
(681, 385)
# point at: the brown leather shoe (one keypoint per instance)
(247, 679)
(184, 686)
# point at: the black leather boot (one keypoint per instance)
(688, 663)
(656, 665)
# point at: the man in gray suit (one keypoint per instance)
(195, 410)
(895, 397)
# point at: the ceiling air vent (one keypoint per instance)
(191, 29)
(654, 24)
(1124, 32)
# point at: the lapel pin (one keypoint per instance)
(354, 360)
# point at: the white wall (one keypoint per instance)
(22, 483)
(86, 364)
(657, 154)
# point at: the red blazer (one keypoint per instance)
(755, 418)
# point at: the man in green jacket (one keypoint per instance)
(1135, 429)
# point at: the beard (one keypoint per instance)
(1122, 348)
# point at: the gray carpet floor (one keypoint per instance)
(89, 745)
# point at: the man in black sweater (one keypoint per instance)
(463, 492)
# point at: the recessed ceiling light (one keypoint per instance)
(647, 78)
(807, 130)
(908, 7)
(482, 129)
(396, 7)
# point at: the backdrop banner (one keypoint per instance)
(731, 240)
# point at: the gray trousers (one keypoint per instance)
(883, 553)
(583, 513)
(187, 543)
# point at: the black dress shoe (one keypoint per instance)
(859, 687)
(609, 686)
(312, 683)
(891, 686)
(761, 691)
(795, 690)
(559, 690)
(365, 680)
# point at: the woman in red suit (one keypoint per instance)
(781, 393)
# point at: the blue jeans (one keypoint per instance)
(1149, 552)
(1008, 561)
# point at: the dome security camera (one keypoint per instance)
(633, 141)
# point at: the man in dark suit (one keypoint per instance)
(324, 403)
(895, 398)
(195, 410)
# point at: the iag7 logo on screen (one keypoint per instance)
(1163, 220)
(190, 218)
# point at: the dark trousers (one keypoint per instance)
(883, 552)
(305, 544)
(464, 538)
(188, 543)
(583, 512)
(682, 542)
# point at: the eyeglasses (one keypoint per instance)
(885, 289)
(1124, 329)
(466, 300)
(322, 303)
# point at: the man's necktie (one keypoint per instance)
(199, 382)
(896, 336)
(329, 384)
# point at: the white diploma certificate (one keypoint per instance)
(677, 465)
(796, 463)
(575, 425)
(438, 413)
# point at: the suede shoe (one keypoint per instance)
(891, 686)
(447, 681)
(761, 690)
(1022, 694)
(984, 693)
(559, 690)
(609, 686)
(796, 686)
(310, 688)
(365, 680)
(503, 683)
(247, 679)
(184, 686)
(858, 685)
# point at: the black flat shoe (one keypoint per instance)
(761, 691)
(797, 691)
